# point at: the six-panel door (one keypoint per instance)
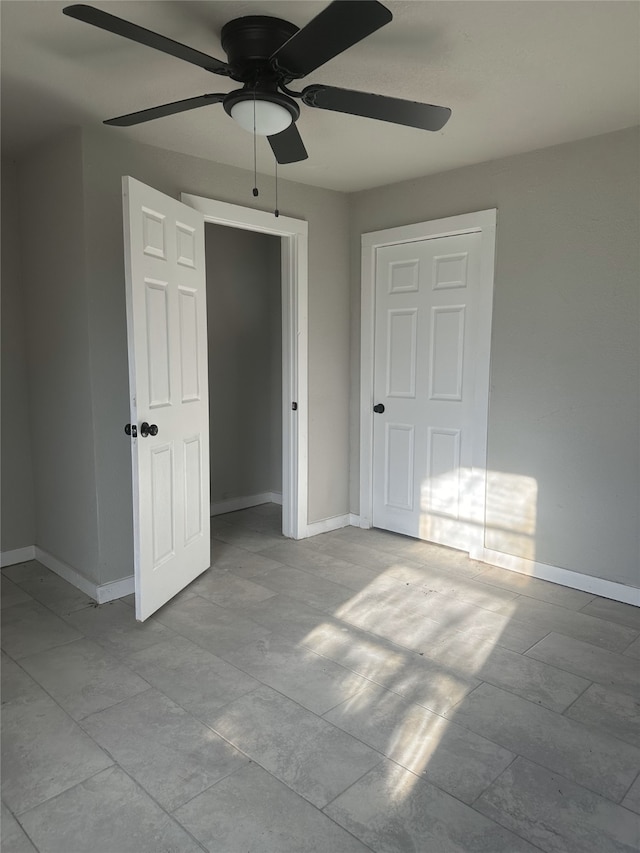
(424, 377)
(167, 336)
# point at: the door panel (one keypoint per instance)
(424, 376)
(167, 336)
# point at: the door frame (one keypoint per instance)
(483, 222)
(294, 266)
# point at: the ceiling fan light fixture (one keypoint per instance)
(274, 112)
(269, 118)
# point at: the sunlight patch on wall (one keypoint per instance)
(511, 514)
(451, 511)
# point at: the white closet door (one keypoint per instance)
(424, 378)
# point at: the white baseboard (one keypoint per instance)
(354, 520)
(575, 580)
(234, 504)
(115, 589)
(18, 555)
(326, 525)
(67, 573)
(99, 592)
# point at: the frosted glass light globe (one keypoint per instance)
(270, 118)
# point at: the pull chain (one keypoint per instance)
(255, 158)
(276, 212)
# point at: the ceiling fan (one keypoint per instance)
(265, 55)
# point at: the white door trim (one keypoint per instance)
(483, 221)
(294, 234)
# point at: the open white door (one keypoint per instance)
(167, 339)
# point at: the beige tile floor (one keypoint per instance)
(356, 691)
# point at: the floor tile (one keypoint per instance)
(170, 753)
(633, 649)
(270, 510)
(573, 599)
(312, 757)
(449, 666)
(452, 560)
(361, 555)
(194, 678)
(105, 814)
(228, 590)
(300, 555)
(313, 590)
(29, 569)
(114, 627)
(239, 561)
(615, 671)
(556, 814)
(50, 589)
(274, 819)
(13, 838)
(29, 628)
(417, 621)
(607, 766)
(214, 628)
(393, 810)
(252, 519)
(288, 616)
(82, 677)
(314, 682)
(615, 713)
(614, 611)
(632, 799)
(449, 756)
(546, 685)
(10, 593)
(572, 623)
(44, 751)
(383, 540)
(17, 686)
(412, 676)
(242, 537)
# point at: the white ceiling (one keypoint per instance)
(517, 75)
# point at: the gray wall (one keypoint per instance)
(105, 159)
(245, 359)
(58, 354)
(17, 513)
(564, 406)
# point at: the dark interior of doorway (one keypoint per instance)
(244, 320)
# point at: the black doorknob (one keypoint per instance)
(378, 408)
(132, 430)
(148, 429)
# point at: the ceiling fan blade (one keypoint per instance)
(342, 24)
(97, 18)
(394, 110)
(288, 146)
(165, 110)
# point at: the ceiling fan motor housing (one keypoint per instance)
(249, 42)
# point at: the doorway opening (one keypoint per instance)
(244, 330)
(292, 236)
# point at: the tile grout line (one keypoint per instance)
(571, 704)
(493, 781)
(626, 793)
(526, 758)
